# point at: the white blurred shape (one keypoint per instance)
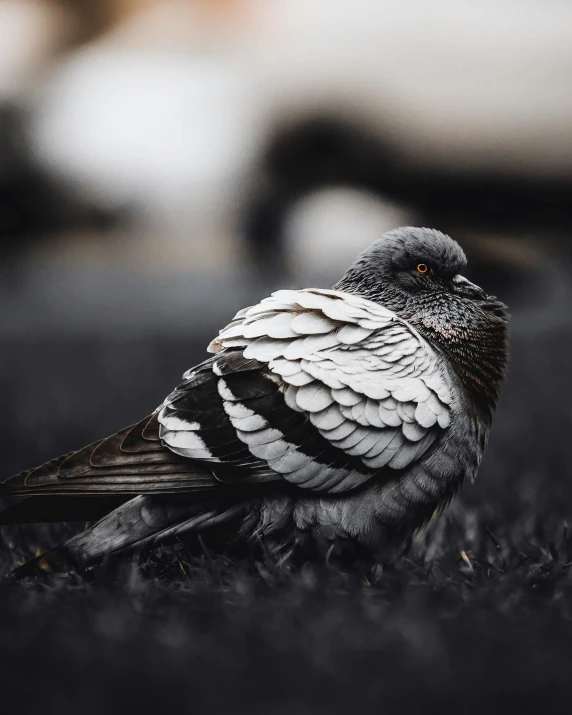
(132, 126)
(327, 229)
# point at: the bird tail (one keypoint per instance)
(143, 522)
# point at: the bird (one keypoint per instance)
(323, 418)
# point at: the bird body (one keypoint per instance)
(323, 417)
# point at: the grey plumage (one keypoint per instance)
(350, 413)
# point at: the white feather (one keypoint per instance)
(384, 438)
(401, 458)
(389, 417)
(237, 409)
(340, 432)
(434, 404)
(173, 423)
(358, 413)
(237, 331)
(307, 474)
(262, 436)
(413, 431)
(346, 396)
(372, 414)
(368, 441)
(319, 372)
(305, 347)
(265, 349)
(375, 390)
(424, 416)
(252, 423)
(327, 419)
(285, 367)
(351, 334)
(224, 391)
(311, 323)
(393, 447)
(314, 397)
(290, 462)
(270, 450)
(187, 444)
(279, 326)
(353, 438)
(406, 411)
(290, 398)
(299, 379)
(444, 419)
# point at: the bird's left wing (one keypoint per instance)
(321, 388)
(132, 461)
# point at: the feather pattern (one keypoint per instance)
(370, 383)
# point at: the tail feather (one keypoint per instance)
(145, 521)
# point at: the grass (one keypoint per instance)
(478, 615)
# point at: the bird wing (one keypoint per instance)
(133, 461)
(321, 388)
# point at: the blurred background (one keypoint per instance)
(164, 163)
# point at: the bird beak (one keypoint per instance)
(463, 286)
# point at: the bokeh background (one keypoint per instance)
(164, 163)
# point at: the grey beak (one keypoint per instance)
(463, 286)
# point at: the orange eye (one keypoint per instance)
(422, 268)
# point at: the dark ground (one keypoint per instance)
(476, 619)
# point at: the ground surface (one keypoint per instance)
(490, 632)
(477, 618)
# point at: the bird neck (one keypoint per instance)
(474, 340)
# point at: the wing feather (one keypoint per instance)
(370, 383)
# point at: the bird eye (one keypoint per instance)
(422, 268)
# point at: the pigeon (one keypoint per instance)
(323, 418)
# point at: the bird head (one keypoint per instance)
(418, 273)
(410, 262)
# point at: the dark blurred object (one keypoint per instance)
(88, 19)
(32, 205)
(303, 158)
(325, 151)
